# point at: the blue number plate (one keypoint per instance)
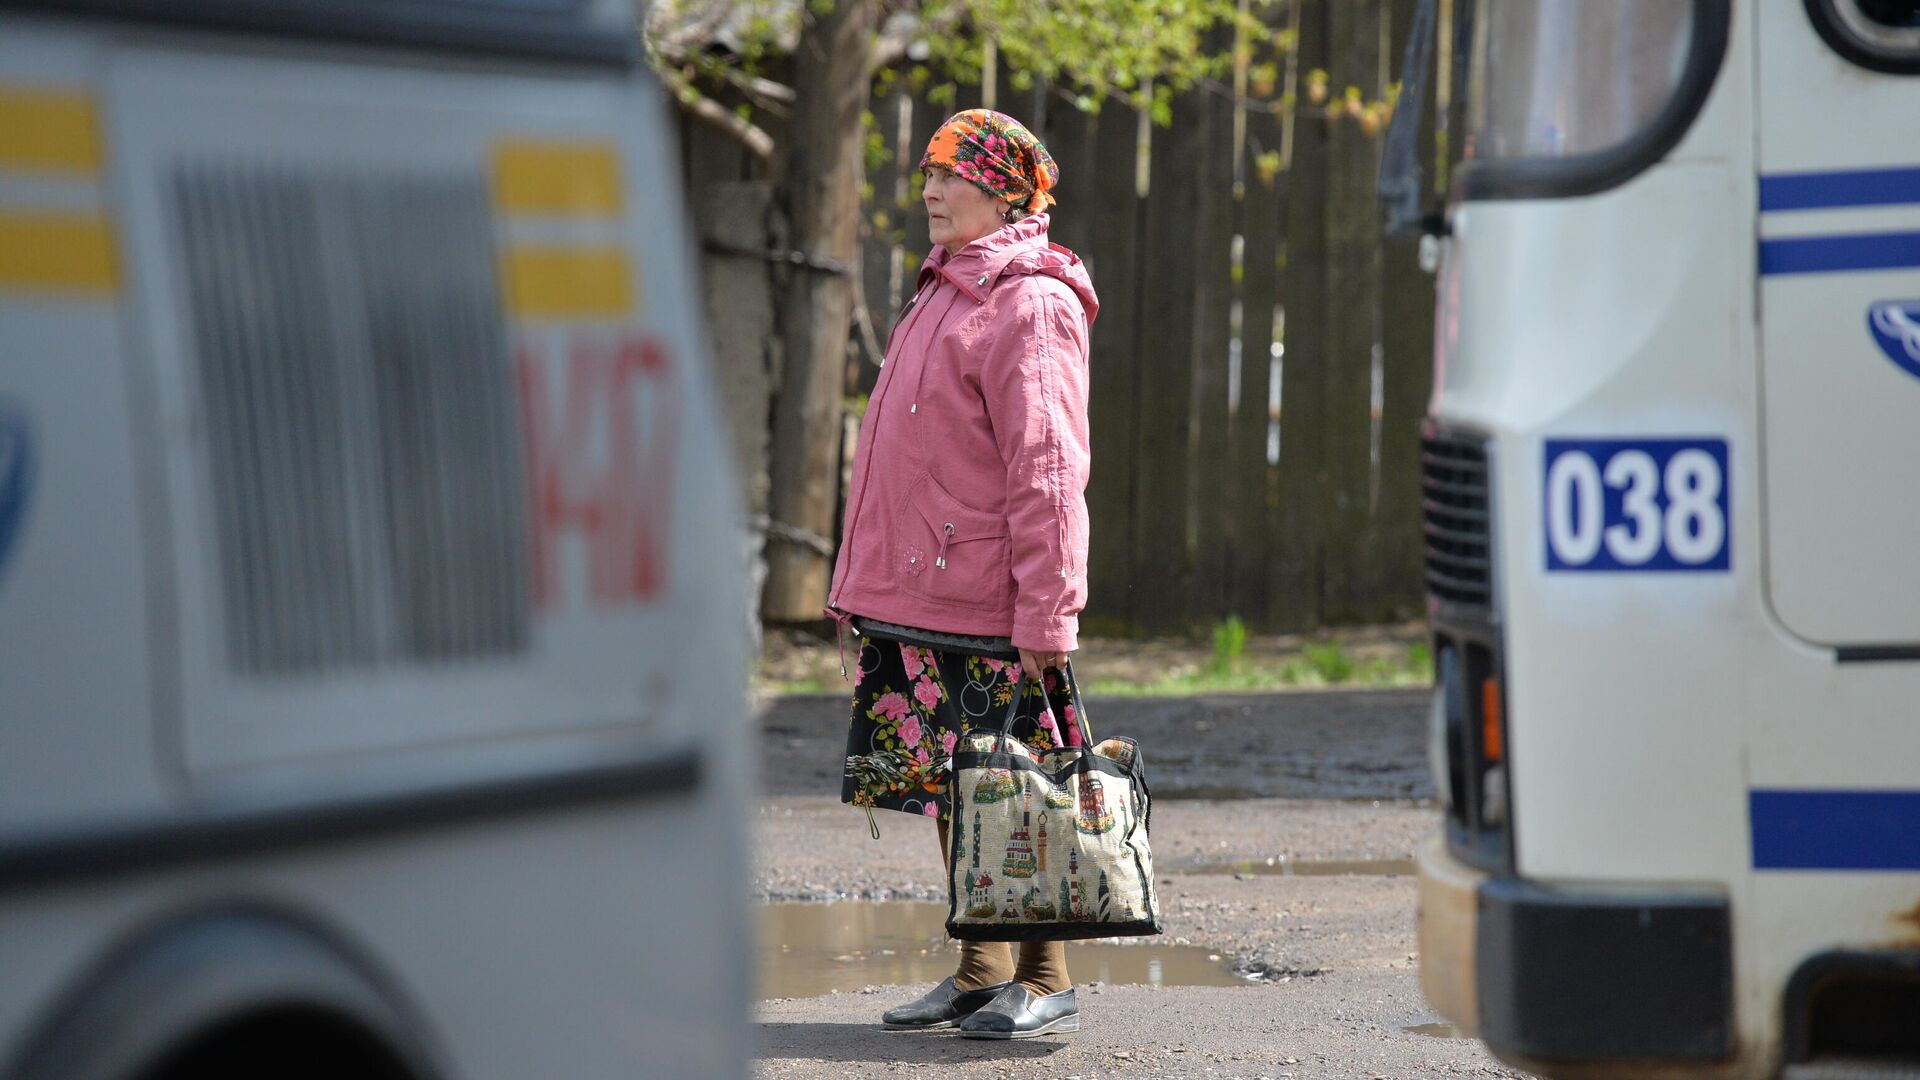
(1637, 504)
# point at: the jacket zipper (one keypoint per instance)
(854, 522)
(897, 321)
(920, 377)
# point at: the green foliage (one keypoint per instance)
(1266, 166)
(1140, 51)
(1420, 656)
(1136, 50)
(1229, 645)
(1319, 665)
(873, 146)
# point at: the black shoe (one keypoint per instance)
(1019, 1013)
(943, 1007)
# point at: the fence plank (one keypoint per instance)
(879, 230)
(1163, 563)
(1069, 137)
(1353, 280)
(1261, 207)
(927, 118)
(1302, 481)
(1105, 234)
(1209, 511)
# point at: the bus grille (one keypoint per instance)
(366, 481)
(1456, 518)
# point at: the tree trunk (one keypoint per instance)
(823, 176)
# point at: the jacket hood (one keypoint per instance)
(1018, 249)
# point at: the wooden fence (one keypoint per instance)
(1261, 359)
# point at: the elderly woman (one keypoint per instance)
(963, 560)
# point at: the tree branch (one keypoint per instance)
(765, 88)
(756, 140)
(767, 94)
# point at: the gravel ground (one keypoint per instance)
(816, 848)
(1331, 777)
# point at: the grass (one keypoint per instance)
(1317, 664)
(1229, 661)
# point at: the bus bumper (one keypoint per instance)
(1575, 975)
(1447, 930)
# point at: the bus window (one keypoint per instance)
(1880, 34)
(1556, 78)
(1566, 98)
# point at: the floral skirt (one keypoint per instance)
(910, 705)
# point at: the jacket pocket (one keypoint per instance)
(952, 552)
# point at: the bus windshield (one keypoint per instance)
(1567, 78)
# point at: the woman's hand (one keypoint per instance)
(1036, 663)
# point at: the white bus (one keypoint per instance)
(1671, 509)
(371, 660)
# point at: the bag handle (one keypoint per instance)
(1053, 724)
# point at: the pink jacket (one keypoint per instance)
(968, 509)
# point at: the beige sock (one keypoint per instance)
(1042, 968)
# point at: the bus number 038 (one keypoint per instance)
(1643, 504)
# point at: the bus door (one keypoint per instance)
(1840, 330)
(1834, 757)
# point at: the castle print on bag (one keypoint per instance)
(1055, 842)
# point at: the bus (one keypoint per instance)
(372, 660)
(1669, 538)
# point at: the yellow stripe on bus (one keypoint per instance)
(556, 178)
(51, 130)
(62, 253)
(567, 282)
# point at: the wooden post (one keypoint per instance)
(823, 175)
(738, 294)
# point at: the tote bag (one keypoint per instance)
(1048, 845)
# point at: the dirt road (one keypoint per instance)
(1300, 889)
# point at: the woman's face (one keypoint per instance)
(958, 213)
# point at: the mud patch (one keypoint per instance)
(806, 950)
(1437, 1031)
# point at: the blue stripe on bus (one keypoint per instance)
(1826, 254)
(1821, 190)
(1835, 830)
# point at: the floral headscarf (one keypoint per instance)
(998, 155)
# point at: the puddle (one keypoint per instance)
(1279, 867)
(1438, 1031)
(806, 950)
